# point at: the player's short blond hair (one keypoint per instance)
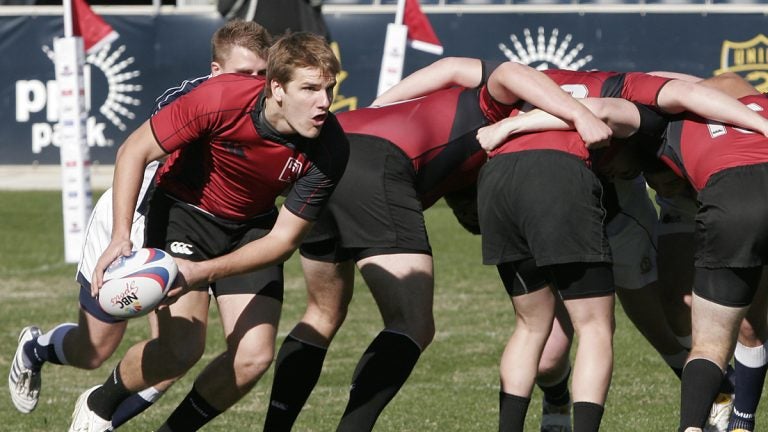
(246, 34)
(300, 50)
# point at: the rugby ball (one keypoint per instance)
(136, 284)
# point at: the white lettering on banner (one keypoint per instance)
(46, 134)
(30, 98)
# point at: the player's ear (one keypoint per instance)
(215, 69)
(278, 92)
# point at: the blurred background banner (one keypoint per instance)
(157, 51)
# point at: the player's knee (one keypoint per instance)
(595, 327)
(252, 364)
(92, 362)
(181, 358)
(324, 319)
(426, 335)
(422, 331)
(87, 356)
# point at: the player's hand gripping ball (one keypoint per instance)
(136, 284)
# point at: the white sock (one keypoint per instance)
(753, 357)
(55, 337)
(151, 394)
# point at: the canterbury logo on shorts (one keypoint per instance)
(181, 248)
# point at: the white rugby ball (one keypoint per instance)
(136, 284)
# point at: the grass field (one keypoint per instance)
(453, 388)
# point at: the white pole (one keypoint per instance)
(69, 60)
(393, 59)
(400, 11)
(67, 18)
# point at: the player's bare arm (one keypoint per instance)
(676, 75)
(732, 84)
(536, 120)
(444, 73)
(138, 150)
(512, 82)
(677, 96)
(620, 115)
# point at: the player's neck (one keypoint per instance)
(273, 115)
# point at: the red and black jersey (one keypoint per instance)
(634, 86)
(697, 148)
(437, 132)
(226, 160)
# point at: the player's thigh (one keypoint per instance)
(715, 329)
(592, 313)
(402, 283)
(250, 321)
(182, 325)
(329, 284)
(97, 335)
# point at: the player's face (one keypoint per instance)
(304, 102)
(240, 60)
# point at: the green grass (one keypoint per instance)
(454, 386)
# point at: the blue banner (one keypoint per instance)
(155, 52)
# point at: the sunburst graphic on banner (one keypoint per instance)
(119, 88)
(545, 54)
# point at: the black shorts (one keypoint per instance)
(541, 204)
(187, 232)
(732, 221)
(375, 208)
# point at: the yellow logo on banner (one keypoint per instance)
(748, 58)
(341, 102)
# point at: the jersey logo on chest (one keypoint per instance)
(291, 170)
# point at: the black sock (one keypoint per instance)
(381, 372)
(747, 396)
(558, 393)
(297, 370)
(105, 399)
(587, 416)
(37, 354)
(701, 383)
(512, 411)
(727, 384)
(134, 405)
(192, 413)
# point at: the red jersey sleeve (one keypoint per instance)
(643, 88)
(187, 119)
(492, 109)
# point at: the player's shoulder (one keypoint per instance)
(235, 79)
(175, 92)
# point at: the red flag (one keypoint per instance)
(91, 27)
(421, 36)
